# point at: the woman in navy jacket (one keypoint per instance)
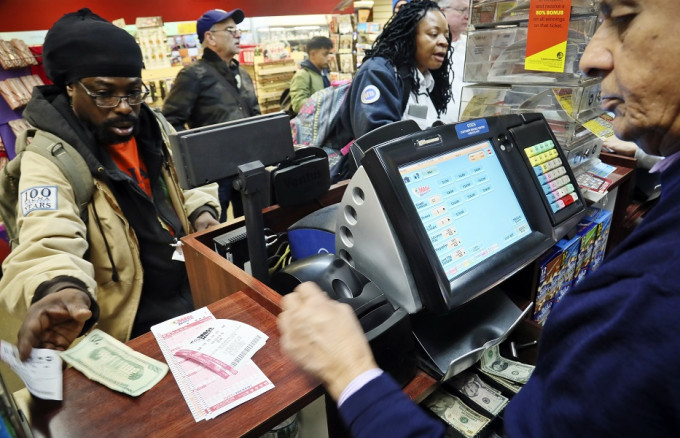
(405, 75)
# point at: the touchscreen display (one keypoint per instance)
(466, 205)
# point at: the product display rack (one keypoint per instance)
(271, 78)
(495, 64)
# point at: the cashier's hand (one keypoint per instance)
(323, 337)
(621, 147)
(54, 321)
(205, 220)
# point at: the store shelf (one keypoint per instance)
(271, 78)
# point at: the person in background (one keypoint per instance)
(396, 4)
(607, 361)
(214, 89)
(115, 267)
(457, 13)
(413, 47)
(313, 73)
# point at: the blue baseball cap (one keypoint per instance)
(394, 3)
(209, 18)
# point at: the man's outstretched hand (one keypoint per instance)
(54, 321)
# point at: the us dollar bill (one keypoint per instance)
(104, 359)
(493, 363)
(479, 392)
(505, 383)
(457, 414)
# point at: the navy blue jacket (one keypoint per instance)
(609, 354)
(382, 90)
(381, 409)
(609, 357)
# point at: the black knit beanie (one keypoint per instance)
(82, 44)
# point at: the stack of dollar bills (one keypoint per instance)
(480, 395)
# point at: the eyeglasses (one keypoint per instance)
(461, 11)
(232, 30)
(110, 101)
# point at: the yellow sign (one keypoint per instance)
(186, 28)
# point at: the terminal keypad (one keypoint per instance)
(552, 175)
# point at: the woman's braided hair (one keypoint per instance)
(397, 42)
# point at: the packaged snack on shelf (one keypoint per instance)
(22, 91)
(24, 52)
(31, 81)
(10, 95)
(18, 126)
(8, 56)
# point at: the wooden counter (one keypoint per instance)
(90, 409)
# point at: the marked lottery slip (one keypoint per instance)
(207, 392)
(41, 373)
(223, 345)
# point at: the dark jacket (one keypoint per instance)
(376, 98)
(208, 92)
(608, 362)
(381, 409)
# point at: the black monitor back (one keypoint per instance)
(210, 153)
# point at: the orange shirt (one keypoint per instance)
(126, 157)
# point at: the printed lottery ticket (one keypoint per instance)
(223, 345)
(206, 392)
(41, 372)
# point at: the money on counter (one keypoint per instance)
(457, 414)
(478, 391)
(494, 363)
(505, 383)
(104, 359)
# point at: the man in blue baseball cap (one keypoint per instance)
(396, 4)
(214, 89)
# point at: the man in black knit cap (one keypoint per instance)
(110, 262)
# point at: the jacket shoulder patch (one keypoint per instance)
(370, 94)
(38, 198)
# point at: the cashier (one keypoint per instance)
(404, 76)
(608, 359)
